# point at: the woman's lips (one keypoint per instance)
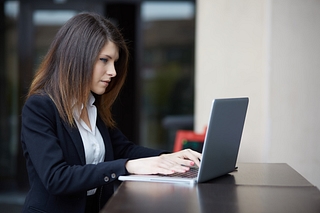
(106, 83)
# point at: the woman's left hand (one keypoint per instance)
(166, 163)
(186, 157)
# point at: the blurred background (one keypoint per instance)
(183, 55)
(158, 96)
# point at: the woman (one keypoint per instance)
(73, 150)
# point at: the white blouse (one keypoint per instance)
(92, 140)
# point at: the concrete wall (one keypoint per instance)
(268, 50)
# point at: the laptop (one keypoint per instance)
(221, 145)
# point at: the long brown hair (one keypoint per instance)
(66, 71)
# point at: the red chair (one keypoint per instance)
(185, 137)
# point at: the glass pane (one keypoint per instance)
(47, 23)
(167, 71)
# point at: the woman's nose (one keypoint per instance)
(112, 71)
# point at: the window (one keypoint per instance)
(167, 71)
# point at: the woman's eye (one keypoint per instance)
(103, 60)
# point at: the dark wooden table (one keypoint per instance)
(253, 188)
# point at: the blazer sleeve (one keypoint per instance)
(49, 149)
(123, 148)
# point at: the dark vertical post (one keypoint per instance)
(126, 108)
(4, 108)
(25, 66)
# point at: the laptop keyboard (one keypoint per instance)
(192, 173)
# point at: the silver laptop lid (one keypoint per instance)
(223, 137)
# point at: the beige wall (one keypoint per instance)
(269, 51)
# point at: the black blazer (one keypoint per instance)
(58, 175)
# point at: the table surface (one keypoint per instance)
(253, 188)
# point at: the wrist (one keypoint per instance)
(129, 167)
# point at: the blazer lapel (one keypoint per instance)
(77, 141)
(106, 139)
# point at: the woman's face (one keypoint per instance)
(104, 69)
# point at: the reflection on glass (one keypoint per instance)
(167, 10)
(167, 71)
(47, 23)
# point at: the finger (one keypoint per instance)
(193, 156)
(184, 157)
(175, 163)
(197, 154)
(176, 160)
(181, 168)
(165, 171)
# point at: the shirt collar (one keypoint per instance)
(91, 99)
(90, 102)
